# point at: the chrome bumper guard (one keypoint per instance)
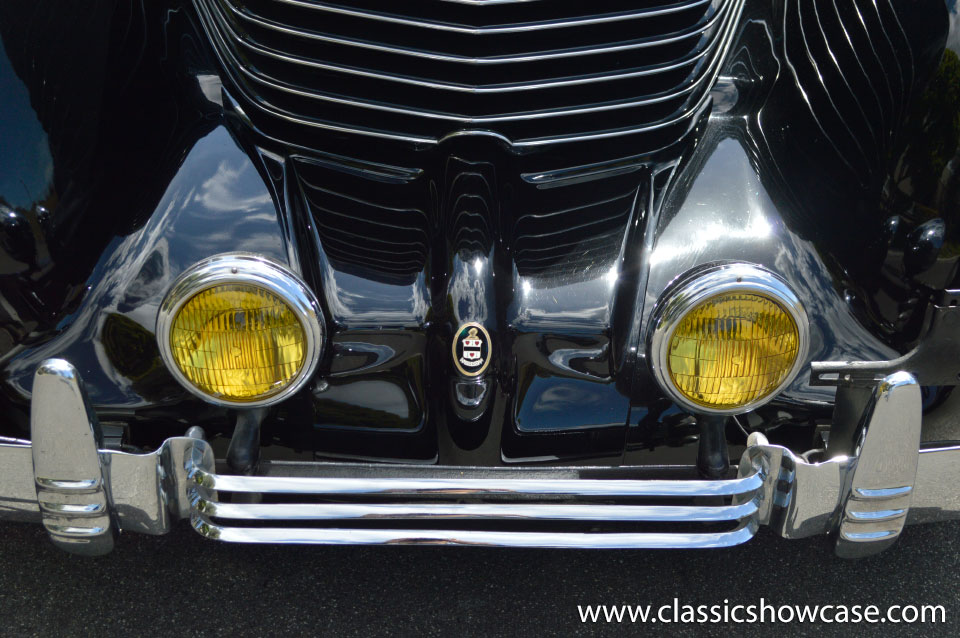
(84, 495)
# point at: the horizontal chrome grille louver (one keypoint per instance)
(532, 73)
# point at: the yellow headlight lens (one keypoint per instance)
(238, 342)
(732, 350)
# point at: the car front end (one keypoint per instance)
(480, 272)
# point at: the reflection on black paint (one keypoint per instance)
(846, 115)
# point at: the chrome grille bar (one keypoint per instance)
(692, 32)
(512, 28)
(654, 84)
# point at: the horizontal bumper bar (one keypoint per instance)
(84, 495)
(486, 486)
(476, 511)
(488, 538)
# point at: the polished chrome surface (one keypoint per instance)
(226, 520)
(702, 285)
(72, 490)
(523, 511)
(84, 496)
(248, 269)
(885, 470)
(571, 540)
(473, 487)
(865, 497)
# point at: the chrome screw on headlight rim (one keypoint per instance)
(727, 339)
(239, 330)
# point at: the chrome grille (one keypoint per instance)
(532, 73)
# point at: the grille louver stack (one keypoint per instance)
(379, 233)
(532, 73)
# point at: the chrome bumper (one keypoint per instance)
(85, 495)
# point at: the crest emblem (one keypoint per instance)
(471, 349)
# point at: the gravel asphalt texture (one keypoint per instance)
(184, 585)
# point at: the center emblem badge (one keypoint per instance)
(471, 349)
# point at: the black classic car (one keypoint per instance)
(622, 273)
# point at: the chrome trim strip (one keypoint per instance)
(878, 515)
(74, 509)
(516, 28)
(71, 530)
(258, 271)
(700, 284)
(82, 486)
(861, 537)
(568, 540)
(473, 487)
(505, 511)
(886, 492)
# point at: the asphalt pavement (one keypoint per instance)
(184, 585)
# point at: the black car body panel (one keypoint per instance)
(820, 143)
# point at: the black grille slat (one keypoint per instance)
(506, 48)
(573, 238)
(483, 19)
(297, 37)
(535, 72)
(683, 67)
(369, 231)
(679, 60)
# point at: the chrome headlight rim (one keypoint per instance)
(700, 284)
(250, 269)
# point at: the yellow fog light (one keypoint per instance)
(240, 330)
(728, 340)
